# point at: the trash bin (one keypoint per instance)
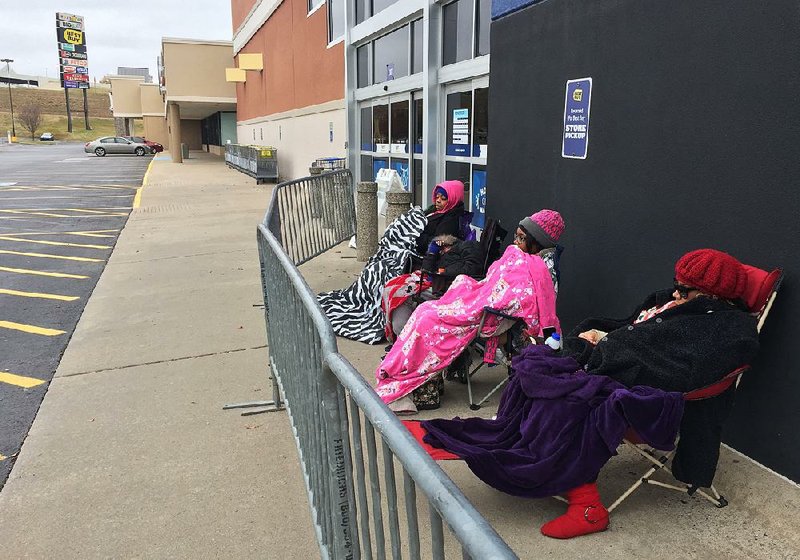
(184, 151)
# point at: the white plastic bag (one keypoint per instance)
(386, 179)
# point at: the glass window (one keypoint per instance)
(459, 121)
(378, 164)
(418, 116)
(362, 64)
(362, 10)
(481, 126)
(314, 4)
(380, 128)
(417, 39)
(417, 185)
(366, 169)
(378, 5)
(399, 132)
(366, 129)
(457, 36)
(460, 172)
(335, 19)
(401, 166)
(482, 23)
(390, 56)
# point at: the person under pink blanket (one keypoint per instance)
(518, 284)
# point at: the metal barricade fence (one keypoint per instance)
(335, 413)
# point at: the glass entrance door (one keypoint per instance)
(391, 137)
(466, 134)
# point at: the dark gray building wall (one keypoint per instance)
(692, 143)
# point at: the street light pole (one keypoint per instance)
(8, 62)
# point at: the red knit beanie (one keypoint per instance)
(712, 272)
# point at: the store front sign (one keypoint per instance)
(577, 105)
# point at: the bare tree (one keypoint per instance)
(30, 115)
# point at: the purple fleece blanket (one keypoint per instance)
(556, 426)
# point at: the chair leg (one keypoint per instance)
(472, 405)
(489, 394)
(660, 463)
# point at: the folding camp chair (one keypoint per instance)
(761, 293)
(515, 341)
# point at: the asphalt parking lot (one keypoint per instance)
(61, 211)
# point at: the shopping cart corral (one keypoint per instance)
(260, 162)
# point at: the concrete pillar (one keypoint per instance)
(366, 220)
(119, 126)
(174, 124)
(398, 201)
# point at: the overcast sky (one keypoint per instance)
(118, 33)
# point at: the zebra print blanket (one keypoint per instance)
(355, 312)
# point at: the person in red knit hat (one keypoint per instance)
(704, 273)
(677, 340)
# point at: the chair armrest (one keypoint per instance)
(495, 312)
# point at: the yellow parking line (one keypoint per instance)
(33, 329)
(88, 233)
(46, 256)
(92, 235)
(30, 213)
(62, 197)
(59, 297)
(58, 243)
(19, 381)
(41, 273)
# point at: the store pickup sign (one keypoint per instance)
(577, 105)
(73, 60)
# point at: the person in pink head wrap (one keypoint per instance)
(438, 331)
(444, 214)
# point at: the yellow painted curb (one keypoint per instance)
(137, 200)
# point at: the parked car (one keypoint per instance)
(115, 145)
(46, 137)
(154, 146)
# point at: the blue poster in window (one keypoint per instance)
(377, 165)
(478, 198)
(577, 104)
(401, 166)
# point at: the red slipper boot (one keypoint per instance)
(585, 514)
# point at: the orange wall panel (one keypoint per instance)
(299, 69)
(239, 11)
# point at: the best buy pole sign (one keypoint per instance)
(72, 57)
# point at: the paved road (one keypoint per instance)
(61, 211)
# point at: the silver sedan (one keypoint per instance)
(115, 145)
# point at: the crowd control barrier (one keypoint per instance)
(355, 453)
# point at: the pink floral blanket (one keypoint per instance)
(517, 284)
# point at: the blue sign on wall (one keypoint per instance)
(479, 198)
(577, 104)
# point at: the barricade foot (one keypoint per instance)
(262, 406)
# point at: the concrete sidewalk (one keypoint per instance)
(131, 455)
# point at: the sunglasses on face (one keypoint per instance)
(683, 290)
(520, 238)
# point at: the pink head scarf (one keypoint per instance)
(455, 194)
